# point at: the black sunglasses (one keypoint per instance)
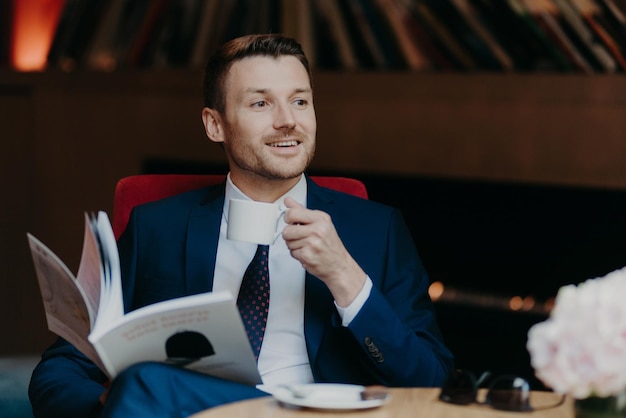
(508, 393)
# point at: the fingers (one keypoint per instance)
(312, 239)
(303, 223)
(297, 214)
(310, 236)
(291, 202)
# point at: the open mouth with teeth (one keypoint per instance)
(283, 144)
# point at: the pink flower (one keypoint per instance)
(581, 349)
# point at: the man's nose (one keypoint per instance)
(284, 117)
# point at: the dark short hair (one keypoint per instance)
(271, 45)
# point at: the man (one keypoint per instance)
(349, 299)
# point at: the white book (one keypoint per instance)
(203, 332)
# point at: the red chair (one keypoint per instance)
(134, 190)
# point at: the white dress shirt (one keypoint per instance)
(283, 358)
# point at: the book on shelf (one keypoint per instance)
(383, 34)
(203, 332)
(226, 18)
(326, 51)
(423, 38)
(366, 48)
(331, 12)
(398, 16)
(541, 30)
(590, 46)
(120, 26)
(599, 24)
(483, 32)
(82, 34)
(523, 46)
(550, 19)
(445, 38)
(615, 17)
(100, 54)
(459, 26)
(137, 16)
(143, 47)
(77, 30)
(67, 22)
(612, 19)
(201, 47)
(296, 22)
(174, 43)
(234, 24)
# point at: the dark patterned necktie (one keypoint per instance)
(254, 298)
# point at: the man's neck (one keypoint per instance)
(263, 189)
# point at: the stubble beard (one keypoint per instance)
(246, 158)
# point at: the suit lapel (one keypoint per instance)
(203, 233)
(318, 301)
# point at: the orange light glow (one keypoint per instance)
(515, 303)
(435, 290)
(34, 24)
(528, 303)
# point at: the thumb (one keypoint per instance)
(291, 203)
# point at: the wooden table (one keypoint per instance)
(414, 403)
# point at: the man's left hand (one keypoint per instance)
(313, 241)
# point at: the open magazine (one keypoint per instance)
(202, 332)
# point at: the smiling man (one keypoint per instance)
(349, 301)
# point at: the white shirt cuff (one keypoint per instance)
(348, 313)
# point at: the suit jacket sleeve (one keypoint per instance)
(394, 340)
(65, 384)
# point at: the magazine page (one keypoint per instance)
(202, 332)
(111, 303)
(67, 314)
(90, 272)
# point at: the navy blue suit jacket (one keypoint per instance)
(168, 250)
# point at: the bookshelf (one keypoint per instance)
(570, 36)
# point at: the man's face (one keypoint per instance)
(269, 121)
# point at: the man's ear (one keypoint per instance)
(212, 121)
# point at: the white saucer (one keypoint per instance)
(327, 396)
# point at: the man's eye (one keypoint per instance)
(261, 103)
(301, 102)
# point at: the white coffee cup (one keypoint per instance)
(255, 222)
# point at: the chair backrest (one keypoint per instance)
(135, 190)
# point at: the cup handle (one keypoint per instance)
(281, 212)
